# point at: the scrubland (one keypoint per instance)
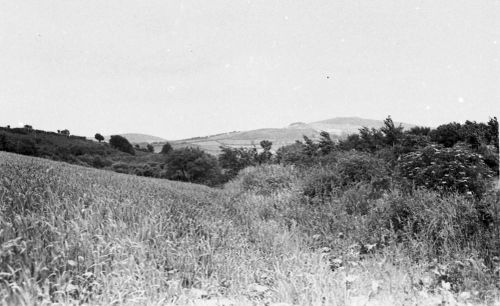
(74, 235)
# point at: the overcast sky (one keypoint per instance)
(177, 69)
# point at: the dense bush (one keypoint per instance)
(232, 160)
(26, 147)
(446, 169)
(265, 179)
(447, 134)
(293, 154)
(121, 143)
(149, 169)
(166, 148)
(346, 169)
(20, 143)
(121, 167)
(193, 165)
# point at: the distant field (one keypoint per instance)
(71, 234)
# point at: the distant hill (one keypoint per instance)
(337, 127)
(139, 138)
(349, 125)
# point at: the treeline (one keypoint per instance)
(451, 157)
(117, 155)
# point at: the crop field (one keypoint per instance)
(74, 235)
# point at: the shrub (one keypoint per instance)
(293, 154)
(265, 179)
(232, 160)
(120, 167)
(166, 149)
(26, 147)
(446, 169)
(320, 182)
(76, 150)
(490, 155)
(100, 162)
(356, 167)
(121, 143)
(346, 169)
(3, 142)
(447, 134)
(193, 165)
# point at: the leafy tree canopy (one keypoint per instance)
(193, 165)
(166, 149)
(232, 160)
(121, 143)
(99, 137)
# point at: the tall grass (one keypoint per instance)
(72, 235)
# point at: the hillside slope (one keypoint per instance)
(136, 138)
(349, 125)
(79, 150)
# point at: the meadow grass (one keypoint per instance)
(74, 235)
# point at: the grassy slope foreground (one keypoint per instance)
(70, 234)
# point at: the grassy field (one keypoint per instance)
(74, 235)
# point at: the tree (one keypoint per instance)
(265, 156)
(371, 140)
(352, 142)
(150, 148)
(64, 132)
(292, 154)
(310, 148)
(121, 143)
(447, 134)
(492, 133)
(232, 160)
(412, 142)
(166, 149)
(99, 137)
(193, 165)
(326, 144)
(419, 131)
(392, 134)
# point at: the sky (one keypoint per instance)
(179, 69)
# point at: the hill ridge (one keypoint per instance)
(138, 138)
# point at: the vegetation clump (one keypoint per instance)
(447, 169)
(193, 165)
(121, 143)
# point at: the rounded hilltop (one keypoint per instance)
(297, 125)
